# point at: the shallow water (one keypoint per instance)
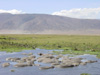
(91, 68)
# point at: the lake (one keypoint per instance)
(91, 68)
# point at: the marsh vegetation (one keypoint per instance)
(71, 44)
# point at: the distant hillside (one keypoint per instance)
(46, 24)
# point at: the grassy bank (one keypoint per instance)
(76, 43)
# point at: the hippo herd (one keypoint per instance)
(55, 61)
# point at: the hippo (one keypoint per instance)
(46, 67)
(8, 59)
(20, 61)
(36, 65)
(30, 63)
(55, 64)
(27, 54)
(91, 61)
(65, 57)
(48, 60)
(76, 64)
(83, 63)
(5, 64)
(48, 56)
(59, 56)
(40, 59)
(76, 60)
(24, 53)
(21, 65)
(24, 59)
(64, 65)
(30, 54)
(12, 59)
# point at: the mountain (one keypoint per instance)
(46, 24)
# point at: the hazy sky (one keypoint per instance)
(50, 6)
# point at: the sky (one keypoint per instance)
(71, 8)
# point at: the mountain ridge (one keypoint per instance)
(46, 24)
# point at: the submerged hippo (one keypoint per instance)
(83, 63)
(27, 54)
(63, 62)
(46, 67)
(48, 56)
(59, 56)
(63, 65)
(91, 61)
(12, 59)
(21, 65)
(49, 60)
(5, 64)
(30, 63)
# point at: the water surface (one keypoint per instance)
(91, 68)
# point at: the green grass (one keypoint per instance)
(85, 74)
(97, 53)
(79, 44)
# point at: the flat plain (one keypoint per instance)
(71, 44)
